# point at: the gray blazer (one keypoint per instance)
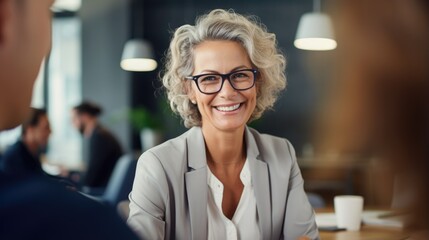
(169, 195)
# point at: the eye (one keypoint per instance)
(209, 79)
(240, 76)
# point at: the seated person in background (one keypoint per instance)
(222, 179)
(101, 149)
(33, 206)
(24, 156)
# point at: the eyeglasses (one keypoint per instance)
(211, 83)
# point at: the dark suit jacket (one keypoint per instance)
(36, 207)
(103, 152)
(169, 196)
(18, 160)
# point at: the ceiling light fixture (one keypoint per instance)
(138, 55)
(315, 31)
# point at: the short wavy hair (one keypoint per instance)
(260, 45)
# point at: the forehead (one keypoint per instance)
(220, 56)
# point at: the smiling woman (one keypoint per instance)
(225, 107)
(221, 179)
(260, 47)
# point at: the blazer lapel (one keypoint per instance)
(261, 185)
(196, 184)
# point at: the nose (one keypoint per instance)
(227, 89)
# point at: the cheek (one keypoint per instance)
(201, 98)
(204, 100)
(75, 122)
(41, 34)
(38, 135)
(47, 132)
(252, 100)
(252, 96)
(48, 39)
(44, 35)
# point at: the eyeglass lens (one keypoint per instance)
(240, 80)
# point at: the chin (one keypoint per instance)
(230, 126)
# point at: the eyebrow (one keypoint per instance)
(208, 71)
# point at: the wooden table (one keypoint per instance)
(366, 232)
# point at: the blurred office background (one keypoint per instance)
(88, 41)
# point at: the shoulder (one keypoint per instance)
(101, 132)
(103, 136)
(14, 149)
(13, 155)
(263, 136)
(158, 169)
(168, 156)
(175, 148)
(54, 206)
(270, 143)
(276, 152)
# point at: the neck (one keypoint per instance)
(225, 149)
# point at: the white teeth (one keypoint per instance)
(228, 108)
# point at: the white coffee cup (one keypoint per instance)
(348, 211)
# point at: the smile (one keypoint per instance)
(228, 108)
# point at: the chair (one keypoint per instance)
(316, 200)
(120, 182)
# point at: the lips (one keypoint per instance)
(228, 108)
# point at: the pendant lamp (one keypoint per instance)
(138, 55)
(315, 31)
(66, 5)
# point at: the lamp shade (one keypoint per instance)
(138, 56)
(315, 32)
(66, 5)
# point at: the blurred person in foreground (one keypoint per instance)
(23, 157)
(378, 107)
(222, 179)
(102, 149)
(34, 206)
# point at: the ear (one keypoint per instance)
(6, 11)
(192, 98)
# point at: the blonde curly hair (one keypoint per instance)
(219, 24)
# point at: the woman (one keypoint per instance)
(221, 179)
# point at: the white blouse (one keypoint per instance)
(244, 224)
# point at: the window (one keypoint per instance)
(64, 91)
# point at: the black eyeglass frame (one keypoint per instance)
(224, 77)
